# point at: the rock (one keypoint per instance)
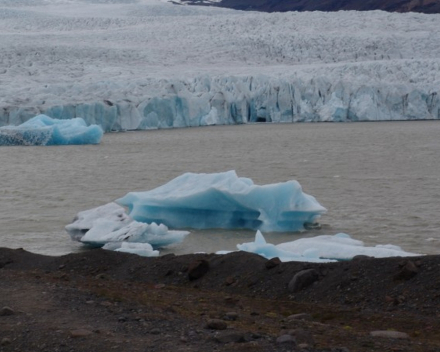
(389, 334)
(408, 270)
(155, 331)
(197, 269)
(286, 340)
(360, 257)
(300, 316)
(231, 300)
(216, 324)
(3, 263)
(80, 333)
(272, 263)
(5, 341)
(301, 336)
(101, 277)
(230, 280)
(6, 311)
(230, 337)
(303, 279)
(231, 316)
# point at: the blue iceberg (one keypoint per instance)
(224, 200)
(43, 130)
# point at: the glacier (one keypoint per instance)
(110, 227)
(133, 67)
(319, 249)
(224, 200)
(43, 130)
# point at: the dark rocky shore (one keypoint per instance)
(107, 301)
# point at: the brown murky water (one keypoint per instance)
(379, 181)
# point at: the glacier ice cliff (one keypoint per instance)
(224, 200)
(148, 64)
(203, 101)
(43, 130)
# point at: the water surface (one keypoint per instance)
(379, 181)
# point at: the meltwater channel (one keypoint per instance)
(379, 181)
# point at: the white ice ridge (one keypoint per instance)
(109, 226)
(224, 200)
(324, 248)
(141, 64)
(43, 130)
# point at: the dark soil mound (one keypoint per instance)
(102, 300)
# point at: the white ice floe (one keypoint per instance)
(269, 251)
(142, 249)
(143, 64)
(110, 226)
(43, 130)
(224, 200)
(324, 248)
(342, 247)
(84, 220)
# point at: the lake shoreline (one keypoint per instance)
(100, 300)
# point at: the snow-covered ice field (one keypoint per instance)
(139, 64)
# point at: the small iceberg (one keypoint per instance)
(341, 247)
(142, 249)
(108, 226)
(43, 130)
(269, 251)
(224, 200)
(325, 248)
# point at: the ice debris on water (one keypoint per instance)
(224, 200)
(43, 130)
(142, 249)
(324, 248)
(108, 226)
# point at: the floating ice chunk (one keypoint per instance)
(142, 249)
(43, 130)
(341, 247)
(224, 200)
(324, 248)
(268, 250)
(114, 214)
(104, 231)
(109, 224)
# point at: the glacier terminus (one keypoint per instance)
(148, 64)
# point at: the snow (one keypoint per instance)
(224, 200)
(109, 226)
(43, 130)
(143, 64)
(325, 248)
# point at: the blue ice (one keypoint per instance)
(325, 248)
(43, 130)
(224, 200)
(269, 251)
